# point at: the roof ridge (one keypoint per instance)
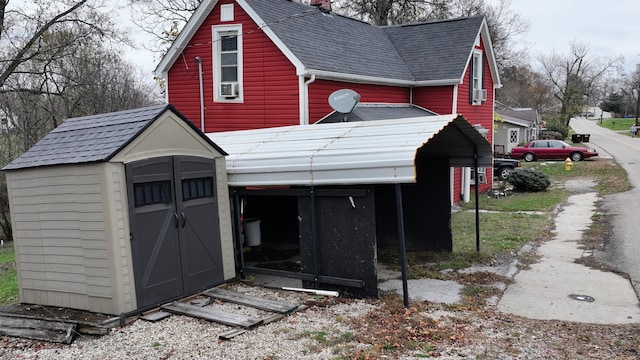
(434, 21)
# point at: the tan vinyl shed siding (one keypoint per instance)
(62, 255)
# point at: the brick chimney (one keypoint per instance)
(326, 4)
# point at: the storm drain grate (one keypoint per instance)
(586, 298)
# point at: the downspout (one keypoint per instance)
(466, 181)
(199, 61)
(475, 164)
(304, 103)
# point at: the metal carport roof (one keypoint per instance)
(368, 152)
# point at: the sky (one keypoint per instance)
(609, 28)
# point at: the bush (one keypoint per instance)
(528, 180)
(548, 134)
(558, 125)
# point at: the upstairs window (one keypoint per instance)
(229, 57)
(477, 93)
(227, 63)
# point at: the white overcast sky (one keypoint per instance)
(610, 28)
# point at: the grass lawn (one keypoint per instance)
(618, 124)
(8, 277)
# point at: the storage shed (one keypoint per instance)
(120, 212)
(339, 192)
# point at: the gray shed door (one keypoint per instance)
(175, 237)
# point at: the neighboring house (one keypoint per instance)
(513, 127)
(251, 64)
(594, 112)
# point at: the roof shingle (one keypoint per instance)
(334, 43)
(93, 138)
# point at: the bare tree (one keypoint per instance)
(390, 12)
(162, 20)
(573, 78)
(24, 32)
(58, 60)
(525, 88)
(630, 91)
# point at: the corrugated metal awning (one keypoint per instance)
(369, 152)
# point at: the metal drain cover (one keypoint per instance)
(586, 298)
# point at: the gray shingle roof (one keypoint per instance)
(436, 50)
(93, 138)
(368, 112)
(330, 42)
(528, 116)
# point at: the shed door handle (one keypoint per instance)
(177, 219)
(184, 218)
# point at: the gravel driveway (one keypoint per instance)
(337, 328)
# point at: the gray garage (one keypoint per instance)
(120, 212)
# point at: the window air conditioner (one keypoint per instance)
(229, 89)
(480, 95)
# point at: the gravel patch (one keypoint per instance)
(181, 337)
(338, 328)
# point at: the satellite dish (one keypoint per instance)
(344, 101)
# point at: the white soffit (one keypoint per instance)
(368, 152)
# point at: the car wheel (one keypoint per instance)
(576, 156)
(528, 157)
(503, 172)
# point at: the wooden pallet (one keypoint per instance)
(47, 330)
(249, 300)
(211, 315)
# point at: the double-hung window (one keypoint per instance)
(227, 63)
(478, 94)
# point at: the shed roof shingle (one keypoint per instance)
(93, 138)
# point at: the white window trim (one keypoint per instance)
(477, 61)
(217, 30)
(482, 173)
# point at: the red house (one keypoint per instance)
(248, 64)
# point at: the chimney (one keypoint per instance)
(325, 4)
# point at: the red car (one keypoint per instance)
(551, 149)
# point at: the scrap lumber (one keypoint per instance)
(231, 334)
(155, 316)
(211, 315)
(249, 300)
(53, 331)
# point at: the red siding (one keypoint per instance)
(478, 114)
(270, 84)
(320, 90)
(457, 185)
(438, 99)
